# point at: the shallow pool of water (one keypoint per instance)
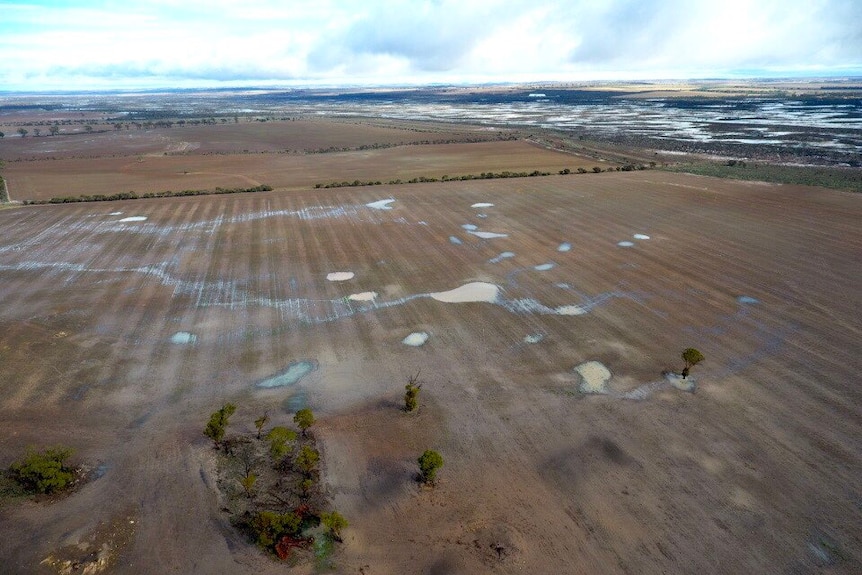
(294, 372)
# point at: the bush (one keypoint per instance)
(44, 472)
(429, 463)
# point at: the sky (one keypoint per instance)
(129, 44)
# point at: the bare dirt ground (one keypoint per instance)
(757, 471)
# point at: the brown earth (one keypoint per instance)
(757, 471)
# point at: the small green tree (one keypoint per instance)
(55, 129)
(44, 472)
(691, 357)
(304, 419)
(23, 132)
(411, 393)
(247, 483)
(307, 459)
(334, 522)
(279, 437)
(268, 527)
(429, 463)
(215, 428)
(260, 422)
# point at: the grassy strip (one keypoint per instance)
(4, 193)
(482, 176)
(826, 177)
(134, 196)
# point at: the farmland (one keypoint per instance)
(124, 324)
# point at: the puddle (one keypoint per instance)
(564, 247)
(116, 214)
(295, 371)
(687, 384)
(184, 338)
(625, 244)
(594, 377)
(482, 205)
(544, 267)
(134, 219)
(483, 216)
(364, 296)
(416, 339)
(454, 240)
(571, 310)
(471, 292)
(641, 237)
(744, 299)
(534, 338)
(295, 402)
(340, 276)
(488, 235)
(381, 204)
(469, 226)
(501, 257)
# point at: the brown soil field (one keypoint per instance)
(118, 338)
(298, 135)
(44, 179)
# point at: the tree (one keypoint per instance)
(278, 438)
(304, 418)
(307, 459)
(411, 393)
(247, 483)
(691, 357)
(23, 132)
(334, 522)
(2, 135)
(218, 422)
(260, 422)
(54, 130)
(429, 463)
(268, 527)
(44, 472)
(88, 128)
(37, 132)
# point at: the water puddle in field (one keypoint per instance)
(564, 247)
(571, 310)
(455, 241)
(116, 214)
(544, 267)
(184, 338)
(488, 235)
(134, 219)
(594, 377)
(294, 372)
(625, 244)
(470, 227)
(482, 205)
(416, 339)
(534, 338)
(340, 276)
(471, 292)
(501, 257)
(747, 300)
(381, 204)
(483, 216)
(641, 237)
(364, 296)
(295, 402)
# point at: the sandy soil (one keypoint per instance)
(757, 471)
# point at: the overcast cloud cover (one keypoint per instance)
(96, 44)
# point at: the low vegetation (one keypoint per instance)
(691, 357)
(43, 472)
(411, 393)
(429, 462)
(827, 177)
(135, 196)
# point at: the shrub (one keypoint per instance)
(44, 472)
(429, 463)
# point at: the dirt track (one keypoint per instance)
(758, 471)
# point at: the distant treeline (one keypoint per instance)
(482, 176)
(134, 196)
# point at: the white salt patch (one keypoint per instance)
(471, 292)
(364, 296)
(534, 338)
(747, 299)
(469, 226)
(501, 257)
(482, 205)
(594, 377)
(564, 247)
(415, 339)
(381, 204)
(116, 214)
(134, 219)
(483, 216)
(571, 310)
(339, 276)
(641, 237)
(295, 371)
(544, 267)
(625, 244)
(488, 235)
(183, 338)
(454, 240)
(687, 384)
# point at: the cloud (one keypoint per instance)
(105, 43)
